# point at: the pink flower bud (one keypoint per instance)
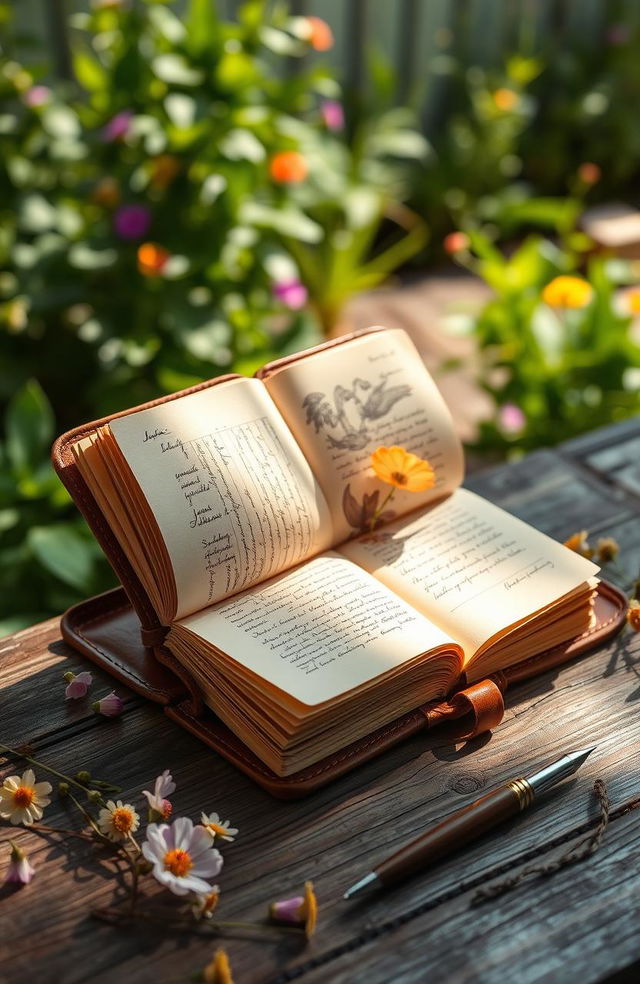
(77, 684)
(332, 115)
(19, 870)
(292, 293)
(110, 706)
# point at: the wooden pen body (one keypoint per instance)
(457, 830)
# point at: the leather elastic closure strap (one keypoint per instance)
(481, 703)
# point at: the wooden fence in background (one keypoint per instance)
(415, 37)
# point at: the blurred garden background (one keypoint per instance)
(190, 188)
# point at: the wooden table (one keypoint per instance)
(582, 924)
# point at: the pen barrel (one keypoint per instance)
(456, 831)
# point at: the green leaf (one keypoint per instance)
(89, 72)
(29, 427)
(288, 221)
(64, 553)
(202, 23)
(176, 70)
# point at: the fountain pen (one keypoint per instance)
(469, 823)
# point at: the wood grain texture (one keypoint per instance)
(581, 924)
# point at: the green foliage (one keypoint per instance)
(554, 372)
(144, 235)
(48, 559)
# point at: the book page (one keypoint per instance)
(233, 497)
(471, 567)
(319, 630)
(344, 403)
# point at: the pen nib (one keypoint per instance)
(369, 879)
(577, 758)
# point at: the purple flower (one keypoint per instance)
(37, 95)
(77, 684)
(117, 127)
(292, 293)
(19, 869)
(111, 705)
(332, 114)
(132, 221)
(511, 419)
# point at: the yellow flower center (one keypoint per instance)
(634, 301)
(122, 820)
(178, 862)
(23, 796)
(215, 828)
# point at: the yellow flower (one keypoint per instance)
(403, 469)
(505, 99)
(218, 971)
(633, 614)
(579, 544)
(567, 292)
(633, 300)
(606, 549)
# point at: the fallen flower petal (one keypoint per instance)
(23, 799)
(218, 971)
(218, 829)
(77, 684)
(109, 706)
(300, 910)
(203, 906)
(19, 869)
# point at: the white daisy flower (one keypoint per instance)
(218, 829)
(23, 799)
(164, 786)
(182, 855)
(118, 820)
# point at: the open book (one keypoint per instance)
(247, 511)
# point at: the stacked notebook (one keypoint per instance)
(271, 609)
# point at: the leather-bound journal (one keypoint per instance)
(277, 602)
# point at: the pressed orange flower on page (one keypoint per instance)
(403, 469)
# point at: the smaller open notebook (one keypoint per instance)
(238, 516)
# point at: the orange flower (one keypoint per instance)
(455, 242)
(320, 35)
(633, 614)
(152, 259)
(579, 544)
(505, 99)
(589, 173)
(403, 469)
(163, 170)
(567, 292)
(288, 167)
(632, 298)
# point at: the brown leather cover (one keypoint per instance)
(107, 631)
(121, 632)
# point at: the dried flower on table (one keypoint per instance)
(218, 971)
(109, 706)
(19, 870)
(22, 800)
(77, 684)
(218, 830)
(182, 856)
(159, 806)
(300, 910)
(203, 906)
(117, 820)
(633, 614)
(579, 544)
(607, 549)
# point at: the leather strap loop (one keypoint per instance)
(481, 704)
(153, 637)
